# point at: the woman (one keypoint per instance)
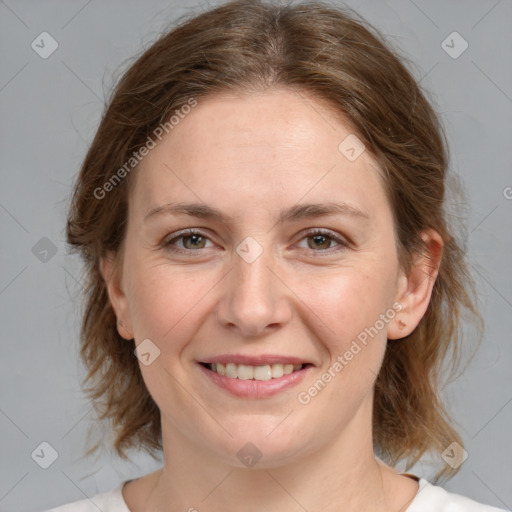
(272, 281)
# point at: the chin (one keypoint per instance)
(255, 445)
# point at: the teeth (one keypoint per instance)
(247, 372)
(277, 371)
(230, 370)
(263, 372)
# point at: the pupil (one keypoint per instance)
(321, 240)
(194, 239)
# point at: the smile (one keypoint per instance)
(254, 377)
(248, 372)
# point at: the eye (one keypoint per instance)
(320, 240)
(190, 239)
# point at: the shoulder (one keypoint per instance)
(432, 498)
(111, 501)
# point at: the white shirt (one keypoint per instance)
(430, 498)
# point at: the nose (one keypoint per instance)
(255, 300)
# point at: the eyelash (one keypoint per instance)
(342, 244)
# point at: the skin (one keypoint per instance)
(251, 156)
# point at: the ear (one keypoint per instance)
(110, 270)
(415, 289)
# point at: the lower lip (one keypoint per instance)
(252, 388)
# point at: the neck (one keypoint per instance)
(343, 474)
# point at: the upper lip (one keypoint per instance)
(260, 360)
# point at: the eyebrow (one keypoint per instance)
(295, 213)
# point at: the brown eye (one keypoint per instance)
(319, 241)
(193, 241)
(186, 242)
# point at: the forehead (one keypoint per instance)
(267, 146)
(258, 123)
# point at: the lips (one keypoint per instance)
(255, 376)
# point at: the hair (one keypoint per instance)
(334, 55)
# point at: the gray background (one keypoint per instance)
(49, 110)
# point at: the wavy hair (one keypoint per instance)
(333, 54)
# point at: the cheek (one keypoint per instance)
(346, 302)
(345, 316)
(164, 302)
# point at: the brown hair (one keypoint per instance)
(334, 55)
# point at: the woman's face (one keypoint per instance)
(254, 283)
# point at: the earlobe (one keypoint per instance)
(414, 290)
(111, 275)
